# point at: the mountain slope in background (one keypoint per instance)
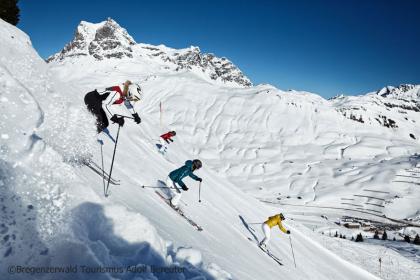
(255, 142)
(109, 40)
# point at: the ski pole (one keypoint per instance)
(103, 170)
(199, 192)
(112, 162)
(290, 239)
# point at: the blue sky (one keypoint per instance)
(327, 47)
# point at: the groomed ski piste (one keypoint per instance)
(256, 143)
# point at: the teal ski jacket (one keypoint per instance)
(178, 174)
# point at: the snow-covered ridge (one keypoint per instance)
(402, 91)
(108, 40)
(192, 57)
(391, 107)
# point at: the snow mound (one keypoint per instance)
(188, 255)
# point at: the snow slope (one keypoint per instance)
(55, 212)
(270, 143)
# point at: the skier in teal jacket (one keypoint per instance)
(175, 179)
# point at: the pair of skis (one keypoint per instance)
(98, 170)
(256, 242)
(271, 255)
(179, 211)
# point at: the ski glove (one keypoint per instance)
(288, 232)
(200, 180)
(136, 118)
(118, 120)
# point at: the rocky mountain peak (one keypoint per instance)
(103, 40)
(404, 90)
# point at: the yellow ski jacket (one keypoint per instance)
(274, 221)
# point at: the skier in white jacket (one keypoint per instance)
(110, 97)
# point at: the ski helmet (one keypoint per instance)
(134, 93)
(173, 133)
(282, 217)
(197, 164)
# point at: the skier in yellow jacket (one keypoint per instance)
(267, 225)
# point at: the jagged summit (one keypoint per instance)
(404, 90)
(103, 40)
(108, 40)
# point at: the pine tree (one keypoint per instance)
(384, 236)
(417, 240)
(407, 238)
(394, 239)
(359, 238)
(352, 238)
(376, 235)
(9, 11)
(336, 234)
